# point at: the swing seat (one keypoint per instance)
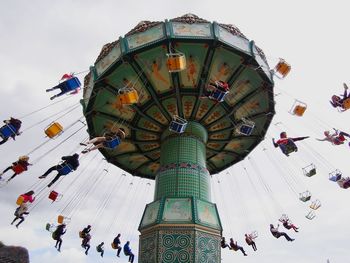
(111, 144)
(299, 110)
(54, 196)
(62, 219)
(346, 104)
(344, 183)
(218, 95)
(70, 84)
(283, 218)
(311, 215)
(282, 69)
(7, 131)
(20, 200)
(246, 128)
(289, 147)
(335, 176)
(18, 168)
(54, 130)
(81, 234)
(176, 62)
(178, 124)
(315, 205)
(305, 196)
(128, 96)
(65, 169)
(113, 246)
(310, 170)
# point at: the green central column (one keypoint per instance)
(181, 225)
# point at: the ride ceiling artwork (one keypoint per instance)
(208, 52)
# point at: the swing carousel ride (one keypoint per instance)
(161, 84)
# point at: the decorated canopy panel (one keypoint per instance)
(213, 52)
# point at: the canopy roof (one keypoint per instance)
(213, 52)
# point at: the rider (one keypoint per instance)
(65, 87)
(117, 244)
(336, 138)
(337, 101)
(57, 235)
(274, 231)
(22, 161)
(284, 142)
(250, 241)
(15, 126)
(99, 142)
(72, 161)
(236, 247)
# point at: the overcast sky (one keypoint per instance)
(42, 40)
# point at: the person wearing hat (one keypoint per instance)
(100, 142)
(18, 167)
(68, 161)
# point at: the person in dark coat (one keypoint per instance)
(71, 161)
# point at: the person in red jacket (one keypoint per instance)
(337, 101)
(18, 167)
(28, 197)
(286, 144)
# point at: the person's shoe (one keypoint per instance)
(85, 151)
(41, 177)
(292, 240)
(58, 249)
(83, 144)
(86, 252)
(16, 226)
(118, 256)
(245, 255)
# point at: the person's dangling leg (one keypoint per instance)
(59, 244)
(13, 176)
(58, 95)
(21, 221)
(53, 88)
(14, 220)
(118, 252)
(131, 257)
(254, 246)
(96, 140)
(344, 134)
(7, 169)
(4, 140)
(98, 146)
(286, 236)
(54, 180)
(53, 168)
(242, 250)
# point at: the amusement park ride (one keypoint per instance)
(152, 83)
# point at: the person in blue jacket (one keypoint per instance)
(10, 129)
(127, 252)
